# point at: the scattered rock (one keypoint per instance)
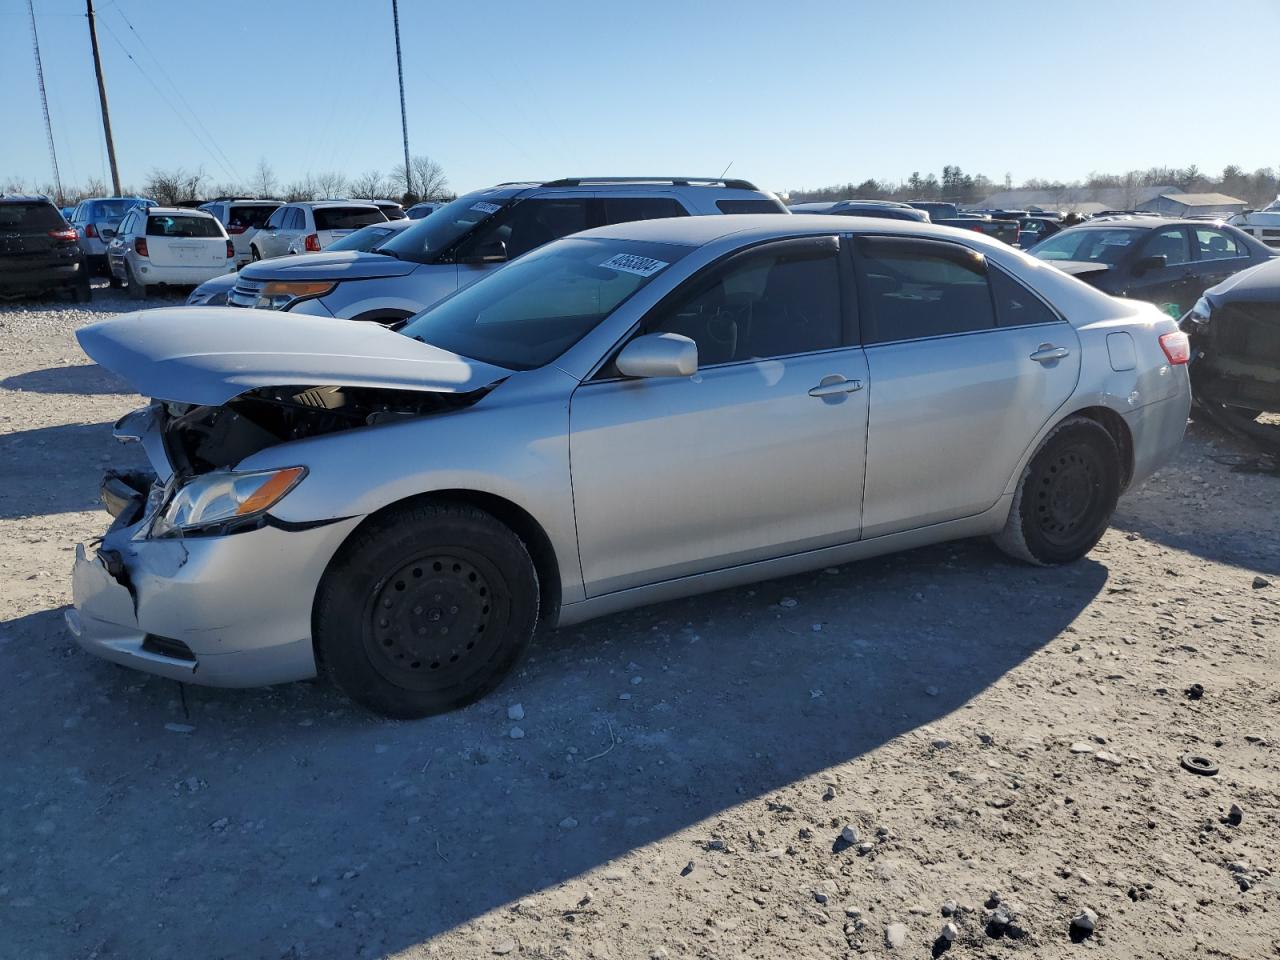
(1195, 691)
(949, 932)
(515, 712)
(829, 793)
(1084, 923)
(865, 847)
(895, 935)
(717, 844)
(1260, 582)
(1235, 816)
(687, 869)
(1081, 747)
(568, 823)
(220, 824)
(940, 743)
(517, 733)
(503, 947)
(849, 834)
(949, 908)
(1110, 758)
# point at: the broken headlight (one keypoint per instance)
(1199, 314)
(218, 498)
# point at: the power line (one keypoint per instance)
(163, 96)
(44, 100)
(178, 90)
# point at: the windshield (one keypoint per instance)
(442, 228)
(531, 311)
(366, 238)
(1089, 245)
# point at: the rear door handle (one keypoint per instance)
(1048, 352)
(833, 385)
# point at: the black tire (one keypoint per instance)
(115, 282)
(136, 290)
(80, 291)
(1066, 495)
(425, 609)
(254, 255)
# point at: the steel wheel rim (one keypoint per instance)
(436, 620)
(1067, 493)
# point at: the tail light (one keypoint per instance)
(64, 234)
(90, 230)
(231, 250)
(140, 246)
(313, 243)
(237, 228)
(1176, 346)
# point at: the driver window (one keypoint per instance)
(274, 221)
(532, 223)
(774, 301)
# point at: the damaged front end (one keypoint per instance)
(1235, 354)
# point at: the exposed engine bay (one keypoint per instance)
(198, 439)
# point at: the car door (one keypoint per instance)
(1169, 286)
(1217, 255)
(293, 235)
(757, 455)
(965, 366)
(267, 239)
(119, 244)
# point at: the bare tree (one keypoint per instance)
(427, 180)
(263, 182)
(304, 189)
(369, 184)
(169, 187)
(331, 184)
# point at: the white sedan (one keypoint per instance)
(169, 246)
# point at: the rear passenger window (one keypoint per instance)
(781, 299)
(750, 206)
(1016, 306)
(626, 209)
(912, 289)
(277, 218)
(297, 219)
(1217, 244)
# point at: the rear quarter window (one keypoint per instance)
(762, 205)
(346, 218)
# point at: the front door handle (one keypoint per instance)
(1048, 353)
(834, 385)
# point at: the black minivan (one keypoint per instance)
(39, 250)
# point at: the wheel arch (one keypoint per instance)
(1115, 425)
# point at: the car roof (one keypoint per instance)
(316, 204)
(1137, 223)
(697, 231)
(185, 211)
(24, 198)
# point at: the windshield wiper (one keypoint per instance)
(386, 253)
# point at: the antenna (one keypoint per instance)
(725, 170)
(44, 101)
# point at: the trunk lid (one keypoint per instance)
(210, 355)
(186, 251)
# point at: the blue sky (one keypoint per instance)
(795, 94)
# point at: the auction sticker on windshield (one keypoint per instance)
(483, 207)
(630, 263)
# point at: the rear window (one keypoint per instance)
(347, 218)
(33, 216)
(176, 225)
(243, 215)
(111, 209)
(750, 206)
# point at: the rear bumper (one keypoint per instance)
(1157, 430)
(241, 604)
(47, 275)
(178, 275)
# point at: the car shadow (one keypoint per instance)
(79, 378)
(328, 832)
(56, 469)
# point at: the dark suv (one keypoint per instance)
(39, 250)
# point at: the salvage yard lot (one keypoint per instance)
(675, 779)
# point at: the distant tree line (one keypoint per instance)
(426, 181)
(1257, 189)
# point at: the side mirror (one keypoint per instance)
(1155, 262)
(658, 355)
(492, 251)
(108, 234)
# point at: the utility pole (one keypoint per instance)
(404, 117)
(102, 96)
(44, 103)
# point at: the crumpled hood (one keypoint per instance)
(209, 355)
(343, 265)
(1080, 268)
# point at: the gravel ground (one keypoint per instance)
(1001, 742)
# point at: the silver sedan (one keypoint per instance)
(639, 412)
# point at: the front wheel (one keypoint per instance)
(1066, 496)
(136, 289)
(425, 609)
(254, 255)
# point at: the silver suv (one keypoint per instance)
(470, 237)
(242, 217)
(311, 226)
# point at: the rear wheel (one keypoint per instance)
(136, 289)
(254, 255)
(1066, 496)
(115, 282)
(425, 609)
